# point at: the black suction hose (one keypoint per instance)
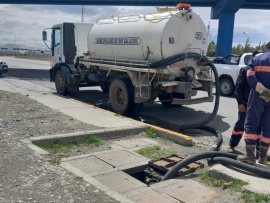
(201, 125)
(173, 171)
(204, 60)
(255, 169)
(216, 146)
(219, 156)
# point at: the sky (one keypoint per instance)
(23, 24)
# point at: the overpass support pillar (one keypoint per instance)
(225, 33)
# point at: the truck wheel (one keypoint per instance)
(226, 87)
(121, 96)
(60, 84)
(105, 86)
(166, 99)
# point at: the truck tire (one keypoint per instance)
(60, 83)
(121, 95)
(166, 99)
(226, 87)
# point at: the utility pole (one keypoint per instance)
(248, 42)
(82, 14)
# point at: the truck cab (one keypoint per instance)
(68, 43)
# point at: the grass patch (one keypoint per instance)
(195, 144)
(34, 58)
(61, 149)
(151, 133)
(233, 185)
(58, 146)
(250, 197)
(155, 152)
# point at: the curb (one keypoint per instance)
(103, 134)
(178, 138)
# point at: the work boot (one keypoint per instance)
(249, 157)
(263, 155)
(231, 150)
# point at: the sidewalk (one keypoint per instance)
(28, 176)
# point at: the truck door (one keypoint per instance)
(56, 46)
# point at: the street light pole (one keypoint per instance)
(248, 42)
(208, 28)
(248, 38)
(82, 14)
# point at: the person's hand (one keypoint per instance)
(265, 95)
(241, 108)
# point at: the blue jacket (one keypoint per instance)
(242, 88)
(259, 70)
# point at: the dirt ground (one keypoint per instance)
(28, 177)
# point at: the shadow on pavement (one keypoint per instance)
(155, 113)
(29, 73)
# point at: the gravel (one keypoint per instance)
(26, 176)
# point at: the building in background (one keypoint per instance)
(21, 50)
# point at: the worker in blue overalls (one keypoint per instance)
(258, 109)
(242, 90)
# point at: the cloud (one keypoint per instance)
(24, 23)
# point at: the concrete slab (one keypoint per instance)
(23, 84)
(184, 191)
(85, 112)
(90, 164)
(121, 158)
(255, 183)
(134, 143)
(96, 183)
(119, 181)
(5, 86)
(58, 102)
(151, 196)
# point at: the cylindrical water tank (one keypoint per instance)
(150, 37)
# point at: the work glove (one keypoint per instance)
(264, 92)
(259, 88)
(265, 95)
(265, 98)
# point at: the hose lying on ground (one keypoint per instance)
(216, 146)
(255, 169)
(218, 157)
(173, 171)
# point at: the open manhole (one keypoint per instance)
(155, 170)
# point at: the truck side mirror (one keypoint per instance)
(44, 35)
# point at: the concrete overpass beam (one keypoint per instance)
(226, 6)
(225, 11)
(225, 33)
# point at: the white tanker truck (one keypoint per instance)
(136, 59)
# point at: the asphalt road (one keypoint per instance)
(27, 69)
(153, 113)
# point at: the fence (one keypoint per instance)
(32, 54)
